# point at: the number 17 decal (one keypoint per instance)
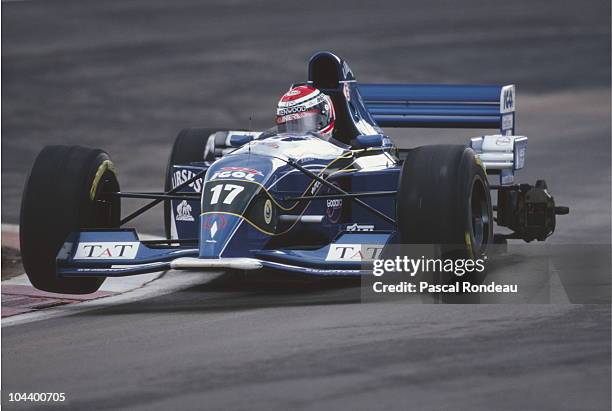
(233, 189)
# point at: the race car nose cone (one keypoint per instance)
(215, 231)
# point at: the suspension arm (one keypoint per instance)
(351, 195)
(156, 196)
(159, 200)
(326, 183)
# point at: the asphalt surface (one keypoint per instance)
(126, 76)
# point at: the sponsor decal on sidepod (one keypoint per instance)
(183, 212)
(360, 227)
(334, 209)
(180, 176)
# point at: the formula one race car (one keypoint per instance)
(293, 201)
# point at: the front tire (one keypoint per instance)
(63, 193)
(444, 199)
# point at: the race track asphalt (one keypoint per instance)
(126, 76)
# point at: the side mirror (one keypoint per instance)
(375, 140)
(238, 140)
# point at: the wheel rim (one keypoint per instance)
(106, 208)
(479, 215)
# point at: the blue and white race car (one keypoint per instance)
(290, 199)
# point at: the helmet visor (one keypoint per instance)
(311, 120)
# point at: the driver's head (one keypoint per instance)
(304, 108)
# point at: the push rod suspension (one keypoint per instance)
(326, 183)
(159, 200)
(350, 195)
(156, 196)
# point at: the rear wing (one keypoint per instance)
(441, 106)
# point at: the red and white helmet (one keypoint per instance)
(305, 108)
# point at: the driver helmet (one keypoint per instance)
(305, 108)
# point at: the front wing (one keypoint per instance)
(118, 253)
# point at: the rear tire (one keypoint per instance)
(63, 194)
(444, 199)
(189, 147)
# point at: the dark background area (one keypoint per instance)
(126, 76)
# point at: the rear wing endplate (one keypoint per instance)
(441, 106)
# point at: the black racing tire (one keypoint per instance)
(63, 193)
(444, 199)
(189, 147)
